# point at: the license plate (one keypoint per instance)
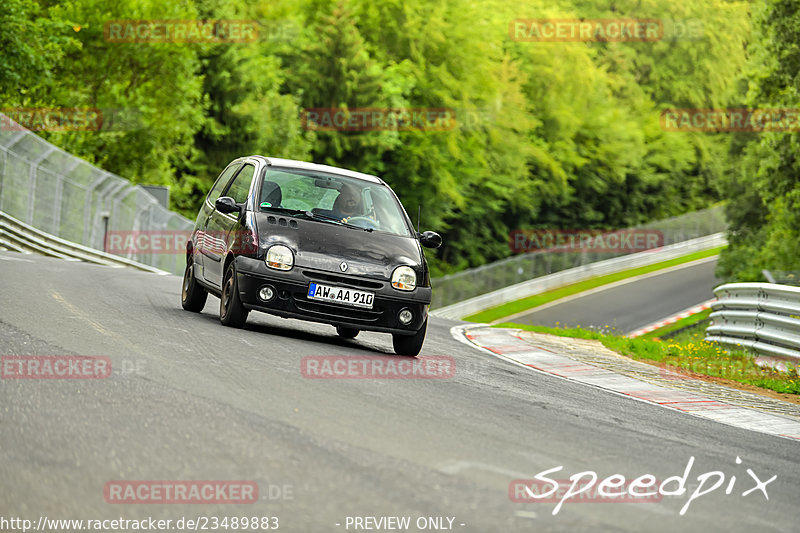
(340, 295)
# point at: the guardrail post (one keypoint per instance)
(87, 209)
(104, 202)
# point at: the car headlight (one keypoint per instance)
(404, 278)
(280, 257)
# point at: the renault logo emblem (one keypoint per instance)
(343, 266)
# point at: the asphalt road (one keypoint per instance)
(192, 400)
(632, 305)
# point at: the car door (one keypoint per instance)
(201, 246)
(220, 225)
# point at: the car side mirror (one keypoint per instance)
(430, 239)
(226, 204)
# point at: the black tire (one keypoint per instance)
(231, 311)
(347, 333)
(193, 295)
(410, 344)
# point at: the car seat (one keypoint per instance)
(271, 193)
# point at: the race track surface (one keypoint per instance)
(191, 400)
(626, 307)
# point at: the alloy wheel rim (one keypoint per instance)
(187, 280)
(226, 295)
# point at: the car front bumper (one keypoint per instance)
(291, 300)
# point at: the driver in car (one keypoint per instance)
(347, 204)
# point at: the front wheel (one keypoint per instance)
(231, 311)
(410, 344)
(193, 296)
(346, 333)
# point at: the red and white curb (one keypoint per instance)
(507, 345)
(674, 318)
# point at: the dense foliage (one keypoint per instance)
(764, 190)
(548, 134)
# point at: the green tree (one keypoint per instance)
(247, 113)
(764, 208)
(153, 86)
(31, 45)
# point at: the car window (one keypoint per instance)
(221, 182)
(371, 205)
(240, 187)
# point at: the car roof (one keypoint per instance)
(303, 165)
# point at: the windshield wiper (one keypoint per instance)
(285, 210)
(335, 220)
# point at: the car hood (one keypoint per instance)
(324, 246)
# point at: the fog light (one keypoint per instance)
(406, 317)
(266, 293)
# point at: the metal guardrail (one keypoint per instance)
(760, 317)
(541, 284)
(51, 190)
(473, 282)
(17, 236)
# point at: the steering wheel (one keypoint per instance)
(363, 222)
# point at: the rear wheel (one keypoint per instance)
(346, 333)
(193, 296)
(231, 311)
(410, 344)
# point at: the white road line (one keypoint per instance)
(672, 319)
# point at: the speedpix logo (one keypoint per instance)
(616, 487)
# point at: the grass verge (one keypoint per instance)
(517, 306)
(686, 359)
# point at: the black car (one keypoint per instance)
(312, 242)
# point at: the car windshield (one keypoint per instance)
(357, 202)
